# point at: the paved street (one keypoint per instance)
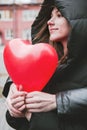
(3, 72)
(3, 108)
(3, 123)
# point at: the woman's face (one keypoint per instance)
(58, 26)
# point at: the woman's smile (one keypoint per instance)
(52, 29)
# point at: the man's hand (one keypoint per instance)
(40, 102)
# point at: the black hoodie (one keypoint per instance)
(69, 82)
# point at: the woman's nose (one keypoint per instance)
(50, 22)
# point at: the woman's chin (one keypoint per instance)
(54, 38)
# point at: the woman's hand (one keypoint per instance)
(15, 101)
(40, 102)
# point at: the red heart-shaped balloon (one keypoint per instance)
(30, 65)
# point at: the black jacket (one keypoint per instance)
(69, 82)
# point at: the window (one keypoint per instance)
(26, 34)
(29, 15)
(32, 1)
(5, 15)
(26, 1)
(9, 34)
(6, 1)
(18, 1)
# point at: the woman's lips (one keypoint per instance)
(53, 29)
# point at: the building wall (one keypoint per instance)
(19, 1)
(16, 21)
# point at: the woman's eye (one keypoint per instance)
(59, 15)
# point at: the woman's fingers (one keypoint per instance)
(16, 114)
(19, 99)
(13, 111)
(22, 108)
(18, 93)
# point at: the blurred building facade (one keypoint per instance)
(16, 18)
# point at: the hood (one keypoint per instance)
(75, 11)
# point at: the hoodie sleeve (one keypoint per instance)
(72, 101)
(17, 123)
(7, 86)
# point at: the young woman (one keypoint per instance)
(62, 105)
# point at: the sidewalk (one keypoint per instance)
(3, 72)
(3, 123)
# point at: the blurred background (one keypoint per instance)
(16, 18)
